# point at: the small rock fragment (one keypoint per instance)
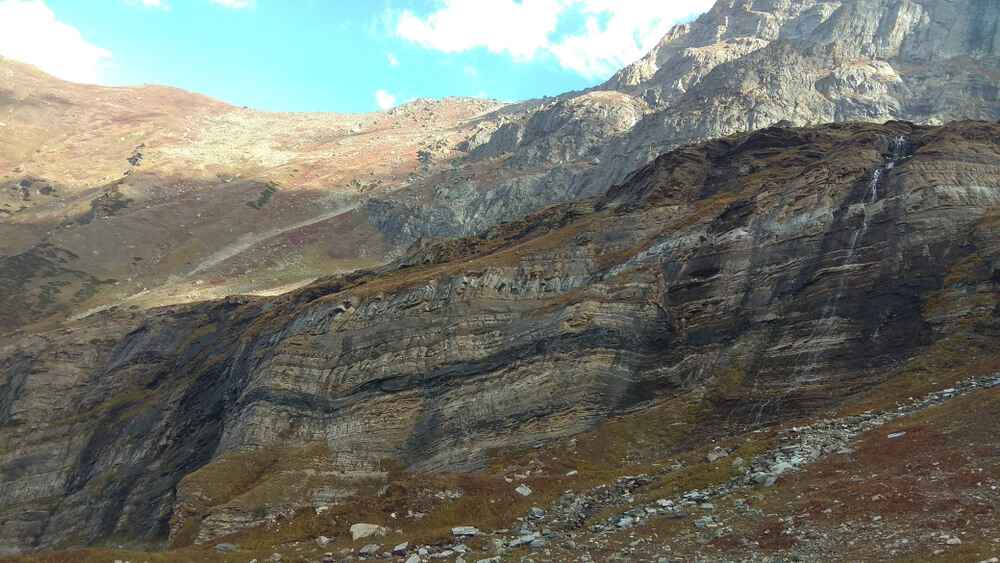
(717, 453)
(523, 490)
(896, 435)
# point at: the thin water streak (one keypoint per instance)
(828, 320)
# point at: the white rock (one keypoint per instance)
(523, 490)
(953, 541)
(360, 531)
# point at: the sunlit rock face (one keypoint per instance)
(744, 65)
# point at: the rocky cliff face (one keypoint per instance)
(744, 65)
(151, 196)
(764, 274)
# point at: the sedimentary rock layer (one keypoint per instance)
(780, 270)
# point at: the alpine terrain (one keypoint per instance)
(739, 303)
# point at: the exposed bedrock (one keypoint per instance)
(801, 259)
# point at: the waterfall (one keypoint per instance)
(827, 320)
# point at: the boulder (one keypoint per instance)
(361, 531)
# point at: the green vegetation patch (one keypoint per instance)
(38, 283)
(265, 196)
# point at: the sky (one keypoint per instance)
(339, 55)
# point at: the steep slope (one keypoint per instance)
(151, 196)
(758, 277)
(744, 65)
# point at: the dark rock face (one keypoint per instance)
(810, 262)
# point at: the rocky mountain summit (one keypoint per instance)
(744, 65)
(722, 288)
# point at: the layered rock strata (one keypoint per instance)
(777, 271)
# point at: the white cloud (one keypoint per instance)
(384, 99)
(393, 61)
(236, 3)
(148, 4)
(30, 33)
(614, 33)
(501, 26)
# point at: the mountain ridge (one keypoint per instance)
(611, 291)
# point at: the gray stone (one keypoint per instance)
(780, 468)
(716, 454)
(413, 559)
(538, 543)
(626, 522)
(322, 541)
(370, 549)
(896, 435)
(705, 522)
(464, 531)
(400, 549)
(523, 490)
(225, 547)
(536, 512)
(521, 540)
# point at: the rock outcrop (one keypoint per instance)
(744, 65)
(771, 273)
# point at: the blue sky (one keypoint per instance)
(337, 55)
